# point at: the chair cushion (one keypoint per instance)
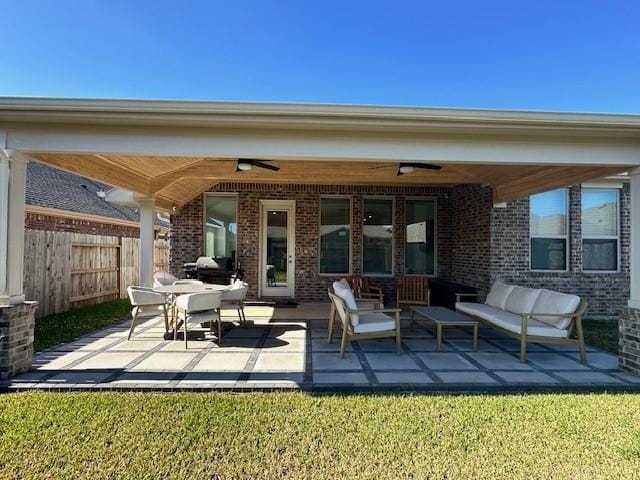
(497, 297)
(347, 295)
(374, 322)
(510, 321)
(521, 300)
(556, 302)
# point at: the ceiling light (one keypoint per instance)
(244, 166)
(406, 169)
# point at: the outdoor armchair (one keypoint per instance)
(413, 290)
(233, 298)
(361, 288)
(146, 302)
(188, 281)
(199, 308)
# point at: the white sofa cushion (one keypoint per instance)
(556, 302)
(497, 297)
(521, 300)
(346, 294)
(374, 322)
(480, 310)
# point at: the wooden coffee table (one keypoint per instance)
(443, 317)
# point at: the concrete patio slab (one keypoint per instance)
(390, 361)
(446, 361)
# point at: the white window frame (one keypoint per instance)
(350, 198)
(204, 220)
(435, 238)
(602, 237)
(393, 236)
(564, 237)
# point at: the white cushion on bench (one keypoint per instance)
(346, 294)
(522, 300)
(498, 295)
(510, 321)
(374, 322)
(556, 302)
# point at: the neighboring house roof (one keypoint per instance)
(50, 187)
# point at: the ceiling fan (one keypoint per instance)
(408, 167)
(245, 164)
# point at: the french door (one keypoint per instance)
(277, 248)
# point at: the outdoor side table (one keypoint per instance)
(443, 317)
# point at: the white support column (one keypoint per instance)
(634, 300)
(12, 200)
(146, 241)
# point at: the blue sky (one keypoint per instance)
(548, 55)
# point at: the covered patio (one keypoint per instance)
(163, 155)
(287, 349)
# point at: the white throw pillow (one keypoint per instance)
(344, 283)
(347, 295)
(556, 302)
(498, 295)
(522, 300)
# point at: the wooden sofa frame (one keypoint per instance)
(349, 335)
(576, 322)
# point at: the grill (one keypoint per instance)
(210, 270)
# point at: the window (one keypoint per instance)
(600, 229)
(548, 229)
(419, 255)
(220, 226)
(377, 236)
(335, 235)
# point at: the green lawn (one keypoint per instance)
(297, 436)
(602, 334)
(63, 327)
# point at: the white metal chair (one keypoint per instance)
(234, 297)
(188, 281)
(161, 279)
(199, 308)
(146, 303)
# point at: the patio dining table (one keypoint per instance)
(183, 289)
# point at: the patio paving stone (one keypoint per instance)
(321, 345)
(446, 361)
(466, 345)
(527, 377)
(286, 344)
(136, 345)
(382, 345)
(601, 360)
(57, 360)
(279, 362)
(554, 361)
(244, 332)
(222, 362)
(589, 378)
(165, 361)
(403, 378)
(390, 361)
(332, 361)
(424, 345)
(498, 361)
(340, 378)
(466, 377)
(81, 377)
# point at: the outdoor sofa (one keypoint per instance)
(531, 315)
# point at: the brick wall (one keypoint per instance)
(34, 221)
(606, 292)
(17, 324)
(187, 231)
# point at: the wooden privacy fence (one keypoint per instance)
(65, 270)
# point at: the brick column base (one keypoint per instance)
(629, 340)
(17, 324)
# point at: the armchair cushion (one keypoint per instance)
(374, 322)
(521, 300)
(347, 296)
(554, 302)
(498, 295)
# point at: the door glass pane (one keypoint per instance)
(549, 214)
(220, 226)
(377, 233)
(599, 213)
(335, 235)
(420, 237)
(276, 254)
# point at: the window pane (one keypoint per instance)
(335, 235)
(548, 214)
(599, 254)
(220, 227)
(599, 213)
(276, 253)
(548, 254)
(377, 233)
(420, 237)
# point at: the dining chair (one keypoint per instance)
(146, 303)
(163, 278)
(234, 297)
(198, 308)
(188, 281)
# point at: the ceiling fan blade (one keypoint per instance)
(426, 166)
(382, 166)
(399, 173)
(267, 166)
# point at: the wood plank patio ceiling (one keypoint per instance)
(177, 180)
